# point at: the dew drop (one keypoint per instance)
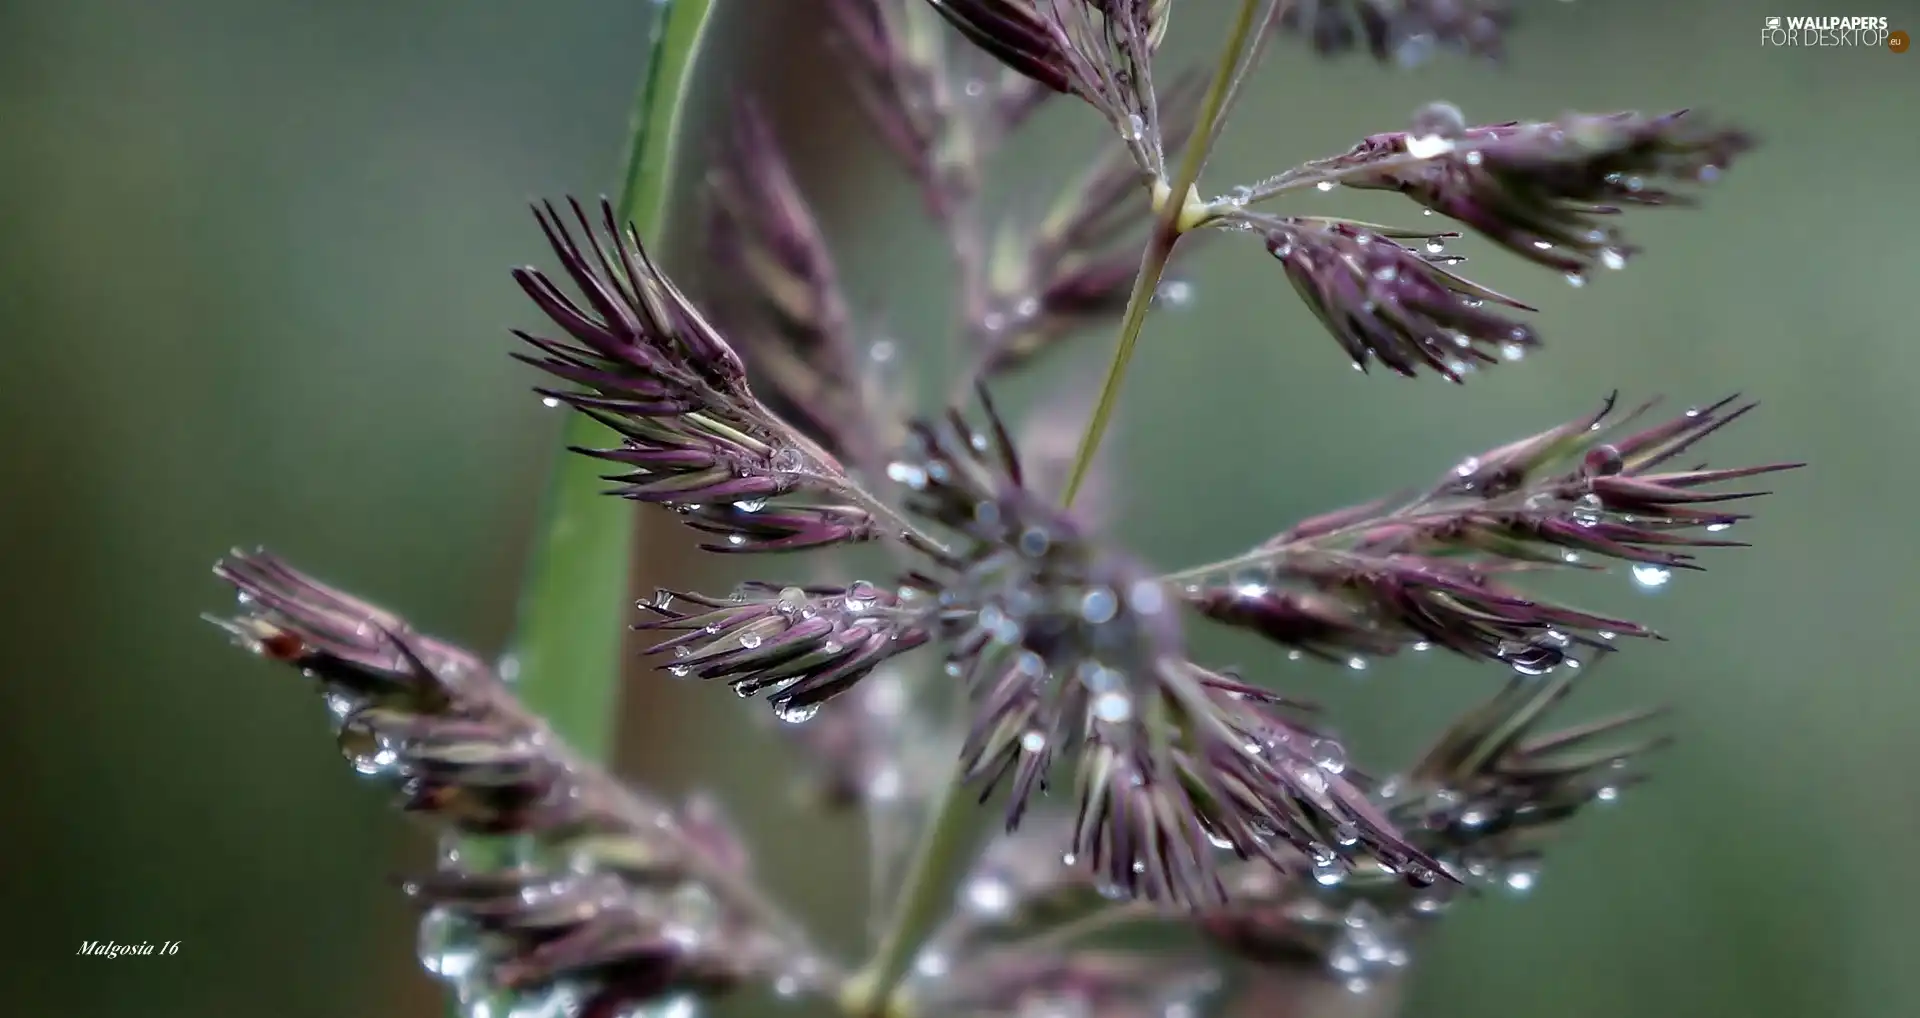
(1033, 741)
(1249, 583)
(382, 760)
(1328, 755)
(1415, 49)
(1588, 510)
(1428, 146)
(1174, 293)
(787, 460)
(1147, 597)
(989, 897)
(910, 474)
(550, 402)
(339, 705)
(1612, 258)
(1098, 678)
(1539, 655)
(1357, 663)
(1651, 577)
(885, 785)
(749, 640)
(1326, 185)
(861, 596)
(794, 714)
(446, 945)
(932, 964)
(1521, 878)
(1602, 461)
(750, 505)
(1715, 528)
(1099, 605)
(1113, 708)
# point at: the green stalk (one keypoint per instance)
(1153, 263)
(939, 856)
(1179, 210)
(567, 636)
(937, 861)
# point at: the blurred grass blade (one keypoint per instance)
(567, 639)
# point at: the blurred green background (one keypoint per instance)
(253, 290)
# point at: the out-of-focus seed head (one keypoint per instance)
(876, 751)
(1107, 984)
(1048, 442)
(1075, 267)
(1402, 31)
(601, 904)
(934, 108)
(1022, 877)
(789, 311)
(586, 942)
